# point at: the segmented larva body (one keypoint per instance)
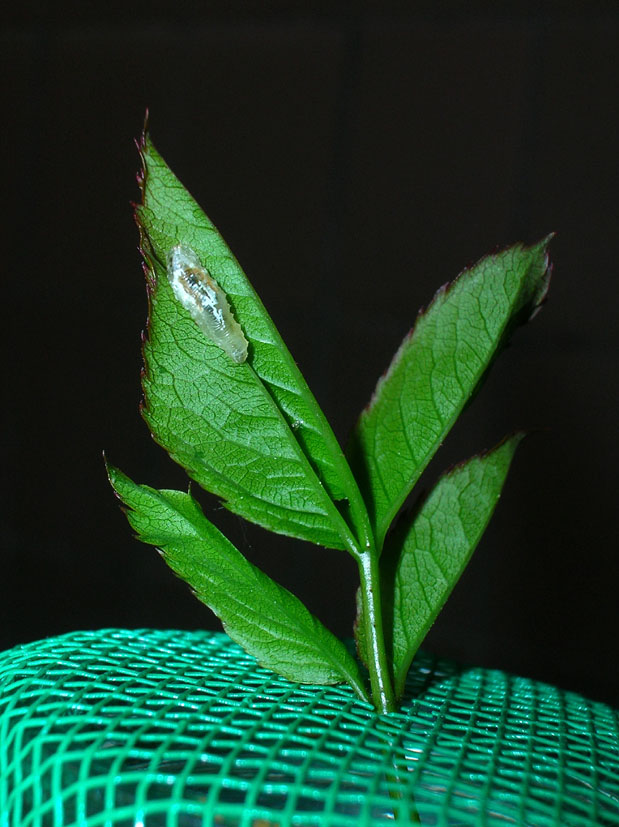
(205, 301)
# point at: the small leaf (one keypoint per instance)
(437, 369)
(425, 556)
(264, 618)
(250, 433)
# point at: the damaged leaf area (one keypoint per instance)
(226, 400)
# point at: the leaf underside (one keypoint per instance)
(436, 371)
(262, 616)
(250, 433)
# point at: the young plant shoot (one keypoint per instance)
(225, 398)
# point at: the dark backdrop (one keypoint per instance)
(355, 158)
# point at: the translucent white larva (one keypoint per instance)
(206, 302)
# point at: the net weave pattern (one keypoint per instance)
(150, 728)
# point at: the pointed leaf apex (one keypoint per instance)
(115, 476)
(544, 282)
(545, 241)
(508, 444)
(146, 124)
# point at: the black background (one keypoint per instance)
(355, 157)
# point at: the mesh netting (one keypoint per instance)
(182, 729)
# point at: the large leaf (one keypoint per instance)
(437, 369)
(251, 433)
(264, 618)
(426, 554)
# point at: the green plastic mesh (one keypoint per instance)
(182, 729)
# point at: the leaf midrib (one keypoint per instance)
(338, 459)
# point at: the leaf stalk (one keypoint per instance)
(380, 679)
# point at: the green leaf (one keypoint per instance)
(264, 618)
(250, 433)
(426, 554)
(436, 371)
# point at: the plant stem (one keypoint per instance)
(380, 680)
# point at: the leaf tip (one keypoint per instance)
(141, 144)
(544, 242)
(509, 443)
(114, 475)
(539, 251)
(146, 125)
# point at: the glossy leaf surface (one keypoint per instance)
(262, 616)
(437, 370)
(251, 433)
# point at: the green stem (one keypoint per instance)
(359, 512)
(380, 680)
